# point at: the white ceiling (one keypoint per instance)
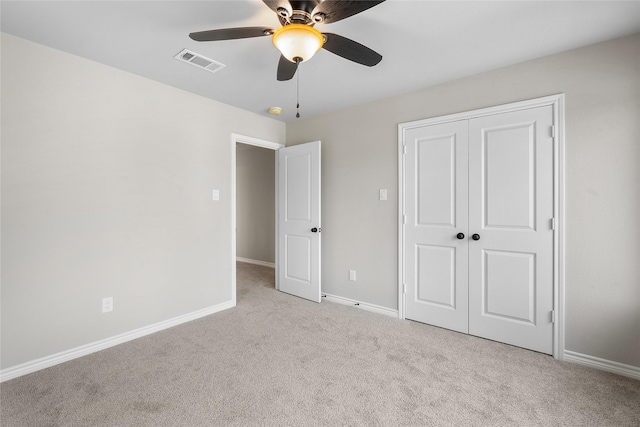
(422, 43)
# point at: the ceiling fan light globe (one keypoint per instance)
(297, 41)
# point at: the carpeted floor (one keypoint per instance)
(276, 360)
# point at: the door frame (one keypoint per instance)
(248, 140)
(557, 102)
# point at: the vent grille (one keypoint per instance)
(199, 61)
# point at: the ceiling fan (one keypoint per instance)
(297, 40)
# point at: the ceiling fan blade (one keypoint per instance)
(231, 33)
(276, 4)
(335, 10)
(286, 69)
(353, 51)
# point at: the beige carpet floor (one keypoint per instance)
(277, 360)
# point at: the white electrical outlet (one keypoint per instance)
(107, 304)
(352, 275)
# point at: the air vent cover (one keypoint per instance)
(199, 61)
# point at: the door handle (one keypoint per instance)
(316, 230)
(476, 237)
(460, 236)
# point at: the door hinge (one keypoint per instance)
(553, 316)
(404, 149)
(404, 219)
(553, 223)
(404, 288)
(553, 131)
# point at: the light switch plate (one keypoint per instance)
(216, 195)
(383, 194)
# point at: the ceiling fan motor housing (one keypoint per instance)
(300, 13)
(304, 5)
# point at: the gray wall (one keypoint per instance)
(255, 203)
(602, 88)
(106, 191)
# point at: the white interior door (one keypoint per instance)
(511, 207)
(299, 224)
(436, 247)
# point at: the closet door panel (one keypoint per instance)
(510, 209)
(436, 205)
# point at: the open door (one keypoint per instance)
(299, 223)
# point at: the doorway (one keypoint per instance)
(253, 149)
(297, 213)
(255, 205)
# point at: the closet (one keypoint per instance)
(477, 235)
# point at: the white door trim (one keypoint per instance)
(242, 139)
(557, 102)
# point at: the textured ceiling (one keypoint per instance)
(422, 43)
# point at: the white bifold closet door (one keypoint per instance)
(478, 234)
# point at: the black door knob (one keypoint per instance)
(476, 237)
(460, 236)
(316, 230)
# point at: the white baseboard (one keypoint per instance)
(74, 353)
(603, 364)
(256, 262)
(363, 305)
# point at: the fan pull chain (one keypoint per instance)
(298, 91)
